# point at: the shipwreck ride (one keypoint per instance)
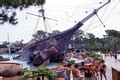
(42, 51)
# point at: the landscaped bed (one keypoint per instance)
(8, 69)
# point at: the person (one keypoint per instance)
(75, 54)
(111, 54)
(68, 71)
(105, 55)
(115, 57)
(95, 70)
(76, 73)
(88, 71)
(69, 53)
(103, 70)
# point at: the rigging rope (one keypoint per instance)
(47, 23)
(63, 19)
(36, 26)
(112, 10)
(90, 24)
(74, 12)
(81, 6)
(107, 15)
(104, 11)
(98, 18)
(102, 15)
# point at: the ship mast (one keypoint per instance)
(42, 11)
(9, 50)
(43, 16)
(94, 12)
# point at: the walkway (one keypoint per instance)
(109, 63)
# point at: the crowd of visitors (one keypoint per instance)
(92, 69)
(73, 71)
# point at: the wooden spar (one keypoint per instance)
(41, 16)
(94, 12)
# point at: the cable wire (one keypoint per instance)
(36, 26)
(90, 24)
(106, 17)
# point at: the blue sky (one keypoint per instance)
(66, 13)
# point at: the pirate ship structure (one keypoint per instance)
(41, 51)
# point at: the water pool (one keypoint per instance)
(10, 56)
(77, 60)
(24, 63)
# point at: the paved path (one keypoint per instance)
(109, 63)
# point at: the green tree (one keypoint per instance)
(113, 33)
(40, 34)
(17, 44)
(113, 39)
(5, 43)
(20, 3)
(54, 32)
(77, 37)
(6, 5)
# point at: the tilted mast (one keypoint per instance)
(94, 12)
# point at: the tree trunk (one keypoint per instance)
(38, 78)
(43, 77)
